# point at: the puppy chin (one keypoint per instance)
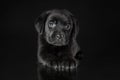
(58, 44)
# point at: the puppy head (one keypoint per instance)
(58, 27)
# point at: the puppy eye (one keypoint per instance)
(52, 24)
(67, 26)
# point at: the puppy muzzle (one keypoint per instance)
(58, 39)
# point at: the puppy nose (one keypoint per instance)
(59, 36)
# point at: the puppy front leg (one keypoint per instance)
(47, 59)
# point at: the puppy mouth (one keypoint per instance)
(58, 40)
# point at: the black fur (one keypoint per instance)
(57, 57)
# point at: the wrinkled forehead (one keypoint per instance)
(59, 16)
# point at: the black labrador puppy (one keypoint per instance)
(57, 46)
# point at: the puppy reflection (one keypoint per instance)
(57, 46)
(44, 73)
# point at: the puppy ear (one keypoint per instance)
(75, 47)
(75, 27)
(40, 22)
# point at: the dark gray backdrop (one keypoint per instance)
(98, 37)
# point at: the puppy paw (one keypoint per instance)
(64, 65)
(69, 64)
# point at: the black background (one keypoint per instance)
(98, 37)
